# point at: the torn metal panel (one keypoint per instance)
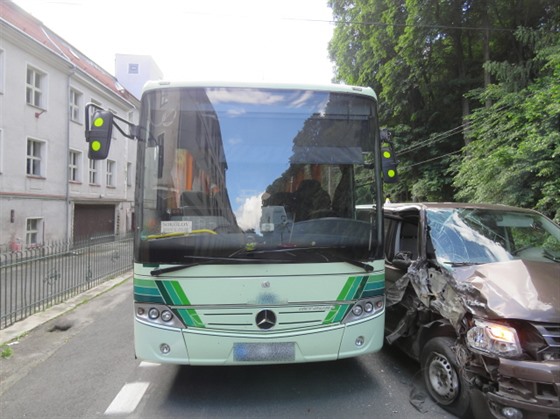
(419, 279)
(518, 289)
(446, 300)
(395, 292)
(417, 276)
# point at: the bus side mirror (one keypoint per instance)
(99, 133)
(388, 164)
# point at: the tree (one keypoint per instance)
(514, 155)
(423, 57)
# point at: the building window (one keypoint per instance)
(132, 68)
(114, 131)
(74, 172)
(2, 71)
(1, 151)
(129, 174)
(93, 172)
(35, 158)
(75, 106)
(111, 165)
(33, 229)
(35, 88)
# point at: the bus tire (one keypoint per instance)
(443, 379)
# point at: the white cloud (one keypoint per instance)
(249, 213)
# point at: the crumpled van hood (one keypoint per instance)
(517, 289)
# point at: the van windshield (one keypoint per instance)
(476, 236)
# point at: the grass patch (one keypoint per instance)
(7, 352)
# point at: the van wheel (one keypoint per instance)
(443, 378)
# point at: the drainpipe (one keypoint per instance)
(68, 122)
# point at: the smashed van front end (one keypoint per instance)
(488, 278)
(502, 274)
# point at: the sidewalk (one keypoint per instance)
(27, 325)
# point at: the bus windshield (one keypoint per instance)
(251, 174)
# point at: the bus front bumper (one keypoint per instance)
(204, 347)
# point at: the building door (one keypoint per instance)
(93, 221)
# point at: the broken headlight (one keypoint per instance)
(494, 339)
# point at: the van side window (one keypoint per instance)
(408, 239)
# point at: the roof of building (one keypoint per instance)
(36, 30)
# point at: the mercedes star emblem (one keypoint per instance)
(265, 319)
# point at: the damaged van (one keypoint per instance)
(473, 293)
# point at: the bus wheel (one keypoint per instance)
(443, 379)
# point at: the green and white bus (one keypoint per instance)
(248, 246)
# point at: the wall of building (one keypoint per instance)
(48, 195)
(133, 71)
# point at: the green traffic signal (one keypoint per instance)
(99, 135)
(388, 164)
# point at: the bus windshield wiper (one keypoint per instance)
(324, 252)
(160, 271)
(358, 263)
(204, 260)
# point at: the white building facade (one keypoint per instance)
(133, 71)
(49, 190)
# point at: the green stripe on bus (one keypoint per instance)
(362, 284)
(336, 314)
(180, 293)
(190, 317)
(341, 313)
(345, 290)
(148, 299)
(166, 297)
(330, 316)
(148, 283)
(174, 299)
(374, 286)
(146, 291)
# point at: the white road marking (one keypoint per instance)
(148, 364)
(127, 399)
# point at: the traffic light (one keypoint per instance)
(99, 134)
(388, 164)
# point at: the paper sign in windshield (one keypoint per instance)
(176, 227)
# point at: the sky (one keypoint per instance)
(229, 40)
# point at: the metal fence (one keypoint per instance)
(36, 278)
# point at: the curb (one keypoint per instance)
(26, 325)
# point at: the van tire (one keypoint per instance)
(443, 379)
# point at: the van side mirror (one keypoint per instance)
(402, 260)
(99, 133)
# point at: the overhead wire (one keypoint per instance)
(432, 159)
(400, 25)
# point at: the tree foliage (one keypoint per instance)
(436, 62)
(514, 155)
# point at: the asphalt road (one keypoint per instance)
(82, 365)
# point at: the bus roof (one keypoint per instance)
(339, 88)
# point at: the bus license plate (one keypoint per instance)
(255, 352)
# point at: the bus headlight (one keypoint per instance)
(494, 339)
(166, 315)
(153, 313)
(157, 314)
(365, 308)
(357, 310)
